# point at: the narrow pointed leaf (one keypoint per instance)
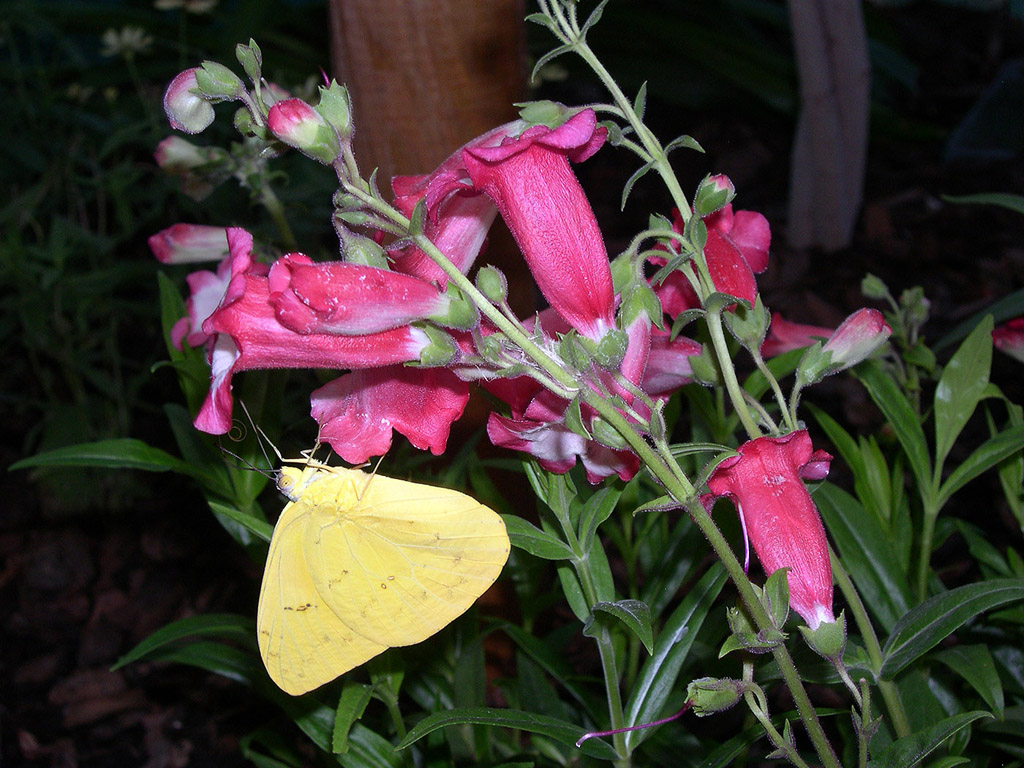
(634, 614)
(911, 750)
(555, 728)
(975, 665)
(938, 617)
(901, 416)
(223, 626)
(867, 552)
(961, 386)
(118, 453)
(985, 456)
(659, 674)
(528, 537)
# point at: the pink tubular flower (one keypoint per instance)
(246, 335)
(186, 110)
(358, 411)
(778, 516)
(189, 243)
(458, 216)
(1009, 338)
(736, 250)
(531, 182)
(348, 299)
(784, 336)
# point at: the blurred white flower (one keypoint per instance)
(189, 6)
(126, 42)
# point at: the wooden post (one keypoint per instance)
(830, 148)
(426, 75)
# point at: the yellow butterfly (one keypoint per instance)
(359, 564)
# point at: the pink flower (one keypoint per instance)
(530, 181)
(537, 423)
(784, 336)
(778, 516)
(177, 156)
(458, 216)
(348, 299)
(736, 249)
(358, 411)
(246, 335)
(186, 109)
(189, 243)
(1009, 338)
(856, 338)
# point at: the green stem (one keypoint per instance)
(270, 201)
(925, 556)
(890, 694)
(732, 384)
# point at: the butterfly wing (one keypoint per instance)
(302, 641)
(405, 560)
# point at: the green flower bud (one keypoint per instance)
(491, 282)
(218, 82)
(251, 59)
(336, 108)
(441, 351)
(829, 639)
(709, 695)
(713, 194)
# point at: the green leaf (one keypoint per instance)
(367, 749)
(226, 626)
(897, 411)
(911, 750)
(985, 456)
(250, 522)
(528, 537)
(224, 660)
(1006, 200)
(930, 623)
(658, 675)
(552, 662)
(961, 386)
(351, 705)
(118, 453)
(866, 551)
(975, 665)
(555, 728)
(633, 613)
(596, 510)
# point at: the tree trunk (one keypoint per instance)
(425, 75)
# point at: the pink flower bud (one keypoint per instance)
(1009, 338)
(856, 338)
(186, 109)
(189, 244)
(300, 126)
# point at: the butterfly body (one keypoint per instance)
(359, 564)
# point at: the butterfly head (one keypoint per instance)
(290, 482)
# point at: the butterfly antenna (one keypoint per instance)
(264, 441)
(246, 464)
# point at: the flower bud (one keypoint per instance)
(854, 340)
(713, 194)
(873, 288)
(176, 155)
(186, 109)
(491, 282)
(251, 59)
(300, 126)
(607, 435)
(828, 639)
(709, 695)
(336, 108)
(441, 351)
(218, 82)
(1009, 338)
